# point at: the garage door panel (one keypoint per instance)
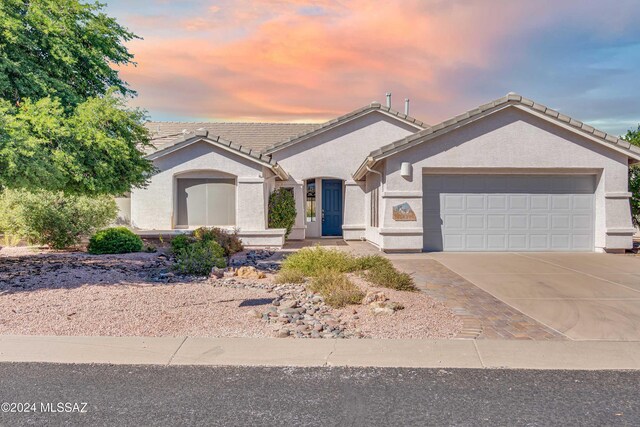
(517, 242)
(539, 202)
(474, 241)
(475, 221)
(496, 222)
(538, 242)
(581, 240)
(496, 202)
(561, 242)
(560, 222)
(519, 201)
(582, 202)
(560, 202)
(582, 222)
(518, 222)
(509, 213)
(496, 242)
(454, 242)
(453, 201)
(539, 222)
(475, 202)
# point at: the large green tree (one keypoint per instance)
(633, 136)
(64, 122)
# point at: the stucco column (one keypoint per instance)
(353, 227)
(250, 210)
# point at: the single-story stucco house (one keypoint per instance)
(510, 175)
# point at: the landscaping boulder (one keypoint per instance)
(385, 307)
(217, 273)
(249, 273)
(372, 296)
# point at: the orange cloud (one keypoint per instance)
(310, 60)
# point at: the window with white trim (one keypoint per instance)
(374, 207)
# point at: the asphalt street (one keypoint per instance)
(156, 395)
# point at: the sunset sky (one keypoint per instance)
(302, 60)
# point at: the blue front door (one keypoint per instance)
(331, 207)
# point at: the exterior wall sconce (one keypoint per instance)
(406, 170)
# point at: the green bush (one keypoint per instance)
(282, 209)
(336, 289)
(181, 242)
(199, 258)
(54, 218)
(115, 240)
(229, 241)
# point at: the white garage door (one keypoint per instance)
(508, 212)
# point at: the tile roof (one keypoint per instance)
(255, 136)
(510, 99)
(374, 106)
(203, 134)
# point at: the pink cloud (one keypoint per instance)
(310, 60)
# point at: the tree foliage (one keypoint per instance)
(59, 48)
(633, 136)
(64, 123)
(52, 218)
(96, 149)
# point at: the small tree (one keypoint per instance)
(633, 136)
(282, 209)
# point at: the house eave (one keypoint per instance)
(510, 101)
(354, 115)
(228, 146)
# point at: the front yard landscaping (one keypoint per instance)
(318, 293)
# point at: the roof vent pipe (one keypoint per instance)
(388, 99)
(406, 106)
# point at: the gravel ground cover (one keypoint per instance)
(73, 293)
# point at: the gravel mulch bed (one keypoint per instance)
(73, 293)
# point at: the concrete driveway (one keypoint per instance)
(585, 296)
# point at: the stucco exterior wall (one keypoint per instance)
(153, 208)
(336, 154)
(124, 210)
(509, 141)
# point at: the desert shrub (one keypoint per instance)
(370, 261)
(54, 218)
(386, 275)
(10, 240)
(229, 241)
(115, 240)
(181, 242)
(313, 261)
(289, 276)
(282, 210)
(199, 258)
(336, 289)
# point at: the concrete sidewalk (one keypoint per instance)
(287, 352)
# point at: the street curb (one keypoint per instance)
(404, 353)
